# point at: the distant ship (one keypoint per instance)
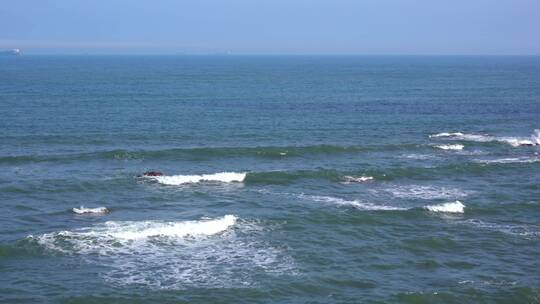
(12, 52)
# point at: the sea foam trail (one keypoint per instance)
(510, 160)
(425, 192)
(527, 231)
(455, 207)
(223, 177)
(513, 141)
(354, 203)
(83, 210)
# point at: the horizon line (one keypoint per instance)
(23, 53)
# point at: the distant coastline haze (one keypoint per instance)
(383, 27)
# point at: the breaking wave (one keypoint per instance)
(347, 179)
(455, 207)
(83, 210)
(209, 253)
(464, 137)
(450, 147)
(222, 177)
(99, 238)
(452, 207)
(513, 141)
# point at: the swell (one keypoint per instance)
(202, 153)
(474, 168)
(378, 174)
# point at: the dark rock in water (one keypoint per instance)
(152, 173)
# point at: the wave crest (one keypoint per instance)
(455, 207)
(445, 134)
(513, 141)
(100, 237)
(353, 179)
(83, 210)
(222, 177)
(450, 147)
(206, 253)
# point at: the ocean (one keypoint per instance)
(286, 179)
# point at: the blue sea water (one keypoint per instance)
(348, 179)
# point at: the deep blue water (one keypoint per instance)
(292, 222)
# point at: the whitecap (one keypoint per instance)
(516, 141)
(535, 138)
(100, 237)
(511, 140)
(463, 136)
(446, 134)
(222, 177)
(146, 229)
(207, 253)
(83, 210)
(455, 207)
(353, 179)
(450, 147)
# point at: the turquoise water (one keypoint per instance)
(341, 184)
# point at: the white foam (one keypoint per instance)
(354, 203)
(206, 253)
(513, 141)
(418, 156)
(510, 229)
(124, 231)
(353, 179)
(426, 192)
(446, 134)
(463, 136)
(141, 230)
(222, 177)
(83, 210)
(535, 138)
(450, 147)
(509, 160)
(455, 207)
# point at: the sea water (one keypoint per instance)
(290, 179)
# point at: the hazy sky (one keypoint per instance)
(272, 26)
